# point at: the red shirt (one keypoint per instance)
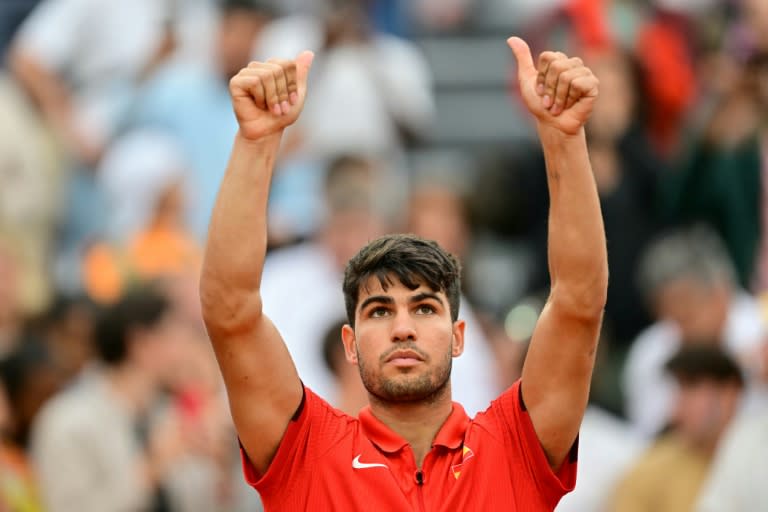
(328, 460)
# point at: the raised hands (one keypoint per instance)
(268, 96)
(559, 91)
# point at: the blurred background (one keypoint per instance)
(115, 129)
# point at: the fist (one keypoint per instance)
(269, 96)
(558, 90)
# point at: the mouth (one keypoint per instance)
(404, 358)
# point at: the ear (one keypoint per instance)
(348, 338)
(457, 343)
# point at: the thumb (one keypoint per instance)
(523, 56)
(303, 64)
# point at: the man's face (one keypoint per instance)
(158, 349)
(403, 341)
(703, 409)
(700, 310)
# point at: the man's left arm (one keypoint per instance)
(560, 91)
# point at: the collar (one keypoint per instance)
(450, 435)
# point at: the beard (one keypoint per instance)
(408, 386)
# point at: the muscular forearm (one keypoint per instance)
(577, 248)
(237, 235)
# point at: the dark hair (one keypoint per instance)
(700, 362)
(408, 258)
(19, 366)
(139, 308)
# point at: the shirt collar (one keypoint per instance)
(450, 435)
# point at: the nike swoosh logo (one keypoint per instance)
(362, 465)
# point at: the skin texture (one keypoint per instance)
(411, 394)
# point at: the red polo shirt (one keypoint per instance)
(328, 460)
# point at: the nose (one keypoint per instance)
(403, 328)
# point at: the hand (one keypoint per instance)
(268, 96)
(559, 91)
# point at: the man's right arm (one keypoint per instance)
(262, 384)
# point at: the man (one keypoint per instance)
(189, 99)
(85, 445)
(669, 476)
(412, 448)
(690, 284)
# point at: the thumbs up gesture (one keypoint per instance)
(559, 91)
(269, 96)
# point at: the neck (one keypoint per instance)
(417, 422)
(132, 388)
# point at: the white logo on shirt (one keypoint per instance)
(362, 465)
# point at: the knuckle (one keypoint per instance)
(559, 65)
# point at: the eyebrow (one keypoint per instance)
(384, 299)
(424, 296)
(381, 299)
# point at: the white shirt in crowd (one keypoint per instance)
(649, 390)
(100, 48)
(738, 481)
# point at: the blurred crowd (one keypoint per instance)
(115, 129)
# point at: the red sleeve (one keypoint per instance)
(315, 428)
(520, 434)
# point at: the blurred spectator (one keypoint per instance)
(206, 477)
(739, 472)
(690, 285)
(79, 59)
(372, 93)
(670, 475)
(626, 172)
(66, 328)
(190, 101)
(31, 182)
(144, 179)
(666, 56)
(737, 480)
(722, 182)
(20, 396)
(607, 449)
(85, 446)
(30, 379)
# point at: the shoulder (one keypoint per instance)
(746, 326)
(70, 414)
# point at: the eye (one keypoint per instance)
(379, 312)
(425, 309)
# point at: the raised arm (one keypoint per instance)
(560, 93)
(262, 384)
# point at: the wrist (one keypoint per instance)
(548, 132)
(266, 141)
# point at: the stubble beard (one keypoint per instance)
(422, 387)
